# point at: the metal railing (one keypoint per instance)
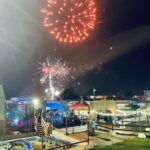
(67, 145)
(127, 130)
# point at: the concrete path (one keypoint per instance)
(76, 129)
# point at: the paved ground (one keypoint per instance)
(76, 129)
(100, 140)
(79, 136)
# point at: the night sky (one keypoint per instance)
(118, 49)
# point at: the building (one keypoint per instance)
(147, 95)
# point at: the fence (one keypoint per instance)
(11, 137)
(125, 130)
(65, 146)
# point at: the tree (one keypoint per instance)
(128, 93)
(69, 93)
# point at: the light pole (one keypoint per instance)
(94, 90)
(38, 107)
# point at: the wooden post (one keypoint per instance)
(112, 124)
(42, 140)
(66, 122)
(73, 126)
(139, 122)
(88, 125)
(66, 125)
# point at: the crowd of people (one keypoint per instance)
(54, 116)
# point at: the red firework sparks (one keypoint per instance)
(70, 21)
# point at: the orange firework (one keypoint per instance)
(70, 21)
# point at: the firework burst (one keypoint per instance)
(54, 73)
(70, 21)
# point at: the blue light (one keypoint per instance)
(16, 120)
(56, 106)
(8, 113)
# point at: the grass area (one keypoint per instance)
(19, 148)
(133, 144)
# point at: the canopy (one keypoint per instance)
(79, 106)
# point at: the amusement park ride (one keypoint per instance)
(41, 126)
(19, 114)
